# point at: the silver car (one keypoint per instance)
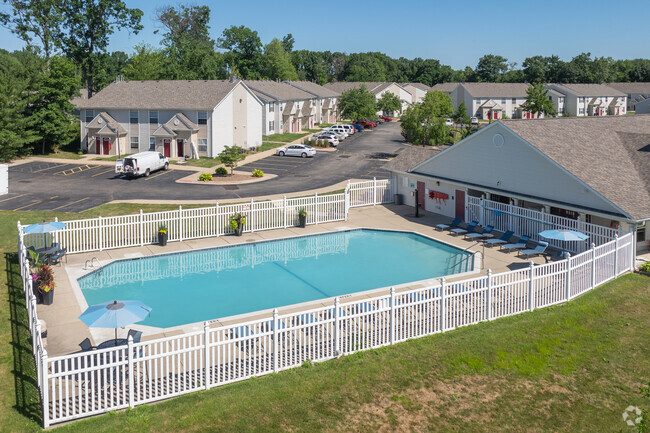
(301, 150)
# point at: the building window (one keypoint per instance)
(271, 107)
(203, 144)
(582, 111)
(90, 115)
(272, 125)
(152, 143)
(503, 101)
(281, 124)
(514, 101)
(135, 142)
(133, 117)
(153, 117)
(640, 234)
(203, 117)
(281, 107)
(564, 213)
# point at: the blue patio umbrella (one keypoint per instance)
(115, 314)
(564, 235)
(44, 227)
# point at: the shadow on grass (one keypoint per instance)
(24, 370)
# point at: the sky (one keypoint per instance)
(457, 33)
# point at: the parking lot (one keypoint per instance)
(76, 186)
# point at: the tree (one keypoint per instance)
(146, 63)
(357, 103)
(287, 43)
(231, 156)
(389, 102)
(460, 115)
(34, 19)
(86, 29)
(277, 62)
(491, 67)
(364, 67)
(436, 104)
(537, 100)
(244, 50)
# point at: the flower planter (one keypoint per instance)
(48, 297)
(239, 230)
(162, 239)
(302, 221)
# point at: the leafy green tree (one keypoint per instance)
(388, 103)
(537, 100)
(86, 29)
(364, 67)
(108, 67)
(287, 43)
(460, 116)
(418, 128)
(244, 51)
(357, 103)
(278, 62)
(436, 104)
(146, 63)
(34, 19)
(491, 68)
(231, 156)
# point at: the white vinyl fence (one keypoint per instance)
(83, 384)
(98, 234)
(531, 222)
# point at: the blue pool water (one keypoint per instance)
(208, 284)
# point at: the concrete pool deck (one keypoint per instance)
(66, 331)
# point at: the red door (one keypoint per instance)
(489, 115)
(460, 204)
(167, 144)
(179, 147)
(98, 143)
(421, 194)
(106, 146)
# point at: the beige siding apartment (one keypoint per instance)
(178, 118)
(327, 100)
(377, 89)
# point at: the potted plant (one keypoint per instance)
(44, 279)
(302, 217)
(162, 235)
(237, 222)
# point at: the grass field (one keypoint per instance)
(569, 368)
(61, 155)
(284, 138)
(111, 158)
(201, 162)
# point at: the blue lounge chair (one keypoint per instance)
(137, 335)
(487, 230)
(539, 249)
(469, 229)
(523, 240)
(504, 239)
(455, 223)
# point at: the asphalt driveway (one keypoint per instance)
(74, 186)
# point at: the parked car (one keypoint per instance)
(386, 119)
(349, 129)
(301, 150)
(366, 124)
(474, 121)
(339, 129)
(356, 126)
(141, 164)
(339, 134)
(331, 138)
(449, 122)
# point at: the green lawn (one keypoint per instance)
(60, 155)
(569, 368)
(284, 138)
(201, 162)
(269, 145)
(111, 158)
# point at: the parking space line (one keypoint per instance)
(160, 174)
(11, 198)
(51, 168)
(103, 172)
(28, 205)
(69, 204)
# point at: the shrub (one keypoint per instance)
(645, 267)
(221, 171)
(258, 173)
(236, 219)
(205, 177)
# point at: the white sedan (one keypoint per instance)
(296, 150)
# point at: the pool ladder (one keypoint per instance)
(90, 264)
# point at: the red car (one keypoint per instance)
(366, 124)
(387, 119)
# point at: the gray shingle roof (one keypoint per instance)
(496, 90)
(445, 87)
(592, 90)
(160, 95)
(630, 88)
(277, 91)
(313, 88)
(419, 86)
(372, 86)
(555, 92)
(412, 156)
(611, 154)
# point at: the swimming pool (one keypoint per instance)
(194, 286)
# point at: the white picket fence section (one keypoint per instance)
(98, 234)
(83, 384)
(531, 222)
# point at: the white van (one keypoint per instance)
(340, 132)
(340, 129)
(141, 164)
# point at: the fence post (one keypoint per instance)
(129, 357)
(481, 215)
(442, 304)
(284, 210)
(392, 315)
(488, 298)
(568, 276)
(531, 299)
(216, 218)
(101, 233)
(141, 228)
(615, 255)
(316, 207)
(347, 200)
(337, 344)
(276, 349)
(251, 225)
(593, 265)
(206, 355)
(374, 190)
(45, 393)
(38, 327)
(180, 223)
